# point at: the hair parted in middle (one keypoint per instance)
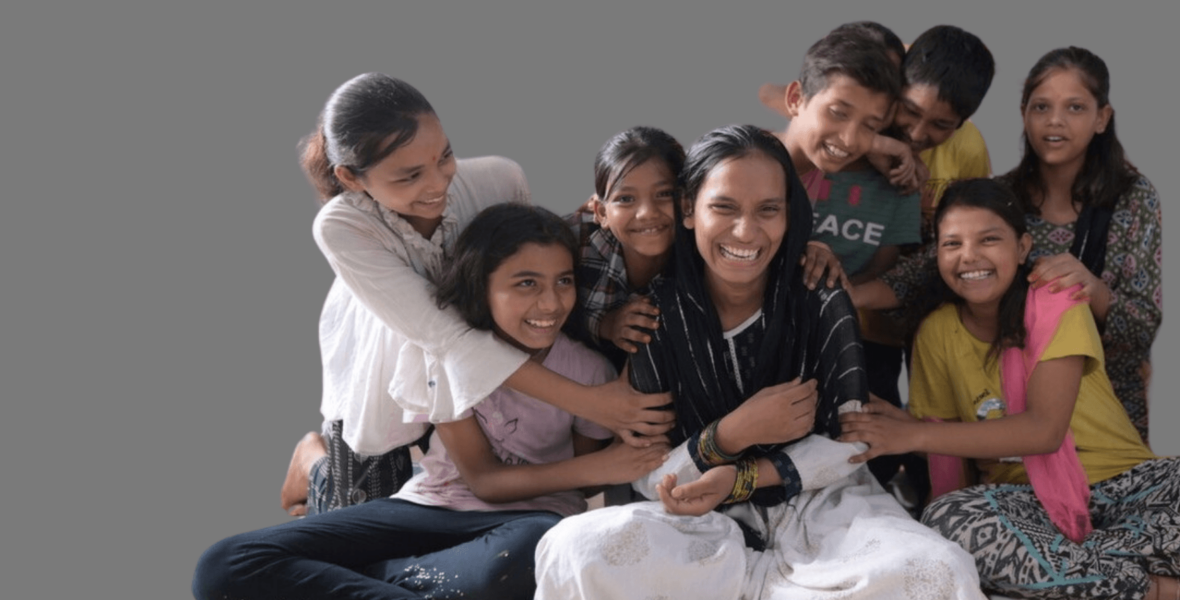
(630, 148)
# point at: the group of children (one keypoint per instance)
(713, 355)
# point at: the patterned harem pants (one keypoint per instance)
(344, 478)
(1020, 553)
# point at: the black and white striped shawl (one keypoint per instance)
(808, 334)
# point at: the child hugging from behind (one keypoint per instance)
(841, 101)
(625, 238)
(493, 482)
(1073, 504)
(947, 72)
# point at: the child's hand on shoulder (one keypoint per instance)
(1063, 271)
(817, 259)
(623, 325)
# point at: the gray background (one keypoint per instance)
(161, 285)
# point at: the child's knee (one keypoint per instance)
(214, 578)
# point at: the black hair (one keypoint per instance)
(495, 234)
(953, 61)
(1106, 173)
(854, 53)
(880, 33)
(998, 198)
(725, 143)
(737, 141)
(631, 148)
(364, 121)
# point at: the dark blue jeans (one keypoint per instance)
(381, 549)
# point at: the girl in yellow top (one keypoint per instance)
(1022, 547)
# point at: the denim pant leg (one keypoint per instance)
(323, 556)
(499, 563)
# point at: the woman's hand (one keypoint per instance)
(622, 463)
(776, 414)
(817, 258)
(885, 428)
(698, 497)
(1063, 271)
(642, 420)
(622, 325)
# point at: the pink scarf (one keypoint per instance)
(1058, 478)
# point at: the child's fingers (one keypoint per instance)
(651, 432)
(845, 282)
(634, 320)
(852, 418)
(634, 439)
(863, 457)
(834, 275)
(634, 335)
(815, 270)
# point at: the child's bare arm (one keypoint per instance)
(495, 482)
(1052, 393)
(894, 159)
(873, 295)
(883, 260)
(584, 445)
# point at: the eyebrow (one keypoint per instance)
(1068, 99)
(631, 187)
(913, 107)
(520, 274)
(412, 168)
(775, 199)
(982, 232)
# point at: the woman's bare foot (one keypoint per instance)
(294, 493)
(1163, 588)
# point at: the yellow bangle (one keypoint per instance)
(746, 481)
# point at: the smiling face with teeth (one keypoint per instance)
(739, 219)
(530, 294)
(835, 127)
(413, 180)
(638, 210)
(979, 254)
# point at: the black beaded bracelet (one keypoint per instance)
(708, 449)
